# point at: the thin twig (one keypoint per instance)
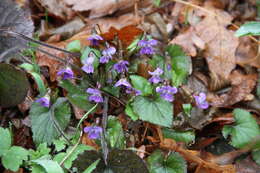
(16, 34)
(103, 135)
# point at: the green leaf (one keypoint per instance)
(141, 84)
(13, 85)
(187, 109)
(174, 163)
(115, 133)
(156, 111)
(157, 2)
(76, 95)
(129, 111)
(46, 122)
(181, 64)
(187, 137)
(14, 158)
(68, 162)
(249, 28)
(60, 144)
(256, 156)
(6, 140)
(50, 166)
(92, 167)
(245, 129)
(258, 87)
(36, 76)
(74, 46)
(42, 150)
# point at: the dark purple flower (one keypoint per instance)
(107, 55)
(121, 66)
(95, 95)
(94, 39)
(66, 73)
(44, 101)
(156, 75)
(93, 132)
(201, 101)
(147, 46)
(88, 65)
(167, 92)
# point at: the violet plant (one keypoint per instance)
(109, 71)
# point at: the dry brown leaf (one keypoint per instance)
(218, 42)
(246, 53)
(99, 8)
(194, 157)
(247, 166)
(57, 8)
(242, 85)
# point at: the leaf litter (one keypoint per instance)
(223, 66)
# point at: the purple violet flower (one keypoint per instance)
(167, 92)
(123, 82)
(201, 101)
(95, 95)
(156, 75)
(107, 55)
(66, 73)
(147, 46)
(94, 39)
(129, 89)
(93, 132)
(121, 66)
(44, 101)
(88, 65)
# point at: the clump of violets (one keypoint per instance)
(94, 39)
(167, 92)
(95, 95)
(107, 55)
(129, 89)
(147, 46)
(156, 75)
(201, 101)
(44, 101)
(88, 65)
(66, 73)
(121, 66)
(93, 132)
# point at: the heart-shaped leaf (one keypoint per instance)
(45, 120)
(13, 85)
(156, 111)
(119, 161)
(173, 163)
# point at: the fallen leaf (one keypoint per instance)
(126, 34)
(246, 53)
(247, 166)
(212, 36)
(242, 85)
(57, 8)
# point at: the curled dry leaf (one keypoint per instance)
(212, 36)
(242, 85)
